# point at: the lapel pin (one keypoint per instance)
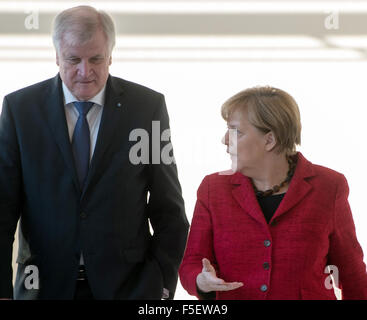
(119, 105)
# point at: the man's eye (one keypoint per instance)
(96, 60)
(73, 60)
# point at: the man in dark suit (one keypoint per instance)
(70, 173)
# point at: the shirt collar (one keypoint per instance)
(70, 98)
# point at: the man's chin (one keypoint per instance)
(84, 95)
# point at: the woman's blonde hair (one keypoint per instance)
(269, 109)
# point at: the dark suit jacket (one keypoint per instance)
(312, 228)
(108, 220)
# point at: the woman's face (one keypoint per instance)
(245, 143)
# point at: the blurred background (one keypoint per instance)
(199, 53)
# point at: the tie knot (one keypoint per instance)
(83, 107)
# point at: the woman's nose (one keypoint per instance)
(225, 139)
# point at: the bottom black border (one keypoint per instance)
(182, 309)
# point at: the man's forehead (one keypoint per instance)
(87, 49)
(78, 38)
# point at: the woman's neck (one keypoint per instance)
(273, 171)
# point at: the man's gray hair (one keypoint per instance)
(81, 23)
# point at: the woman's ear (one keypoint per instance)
(270, 141)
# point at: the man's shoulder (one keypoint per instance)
(32, 91)
(133, 87)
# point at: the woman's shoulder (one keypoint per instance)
(218, 184)
(326, 171)
(329, 175)
(323, 173)
(221, 178)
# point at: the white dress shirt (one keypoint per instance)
(93, 117)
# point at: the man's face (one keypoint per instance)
(84, 67)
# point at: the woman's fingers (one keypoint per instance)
(207, 267)
(226, 286)
(208, 281)
(213, 279)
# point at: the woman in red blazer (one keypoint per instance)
(270, 228)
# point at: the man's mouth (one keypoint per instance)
(86, 82)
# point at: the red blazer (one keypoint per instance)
(312, 228)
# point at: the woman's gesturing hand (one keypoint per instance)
(208, 281)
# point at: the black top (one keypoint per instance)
(270, 204)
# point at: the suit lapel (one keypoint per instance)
(114, 116)
(53, 109)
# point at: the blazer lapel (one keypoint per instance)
(244, 194)
(53, 109)
(298, 188)
(114, 116)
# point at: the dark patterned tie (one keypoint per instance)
(81, 141)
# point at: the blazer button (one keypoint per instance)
(266, 265)
(267, 243)
(264, 288)
(83, 215)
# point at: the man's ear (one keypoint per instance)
(270, 141)
(110, 60)
(57, 59)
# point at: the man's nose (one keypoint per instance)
(84, 68)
